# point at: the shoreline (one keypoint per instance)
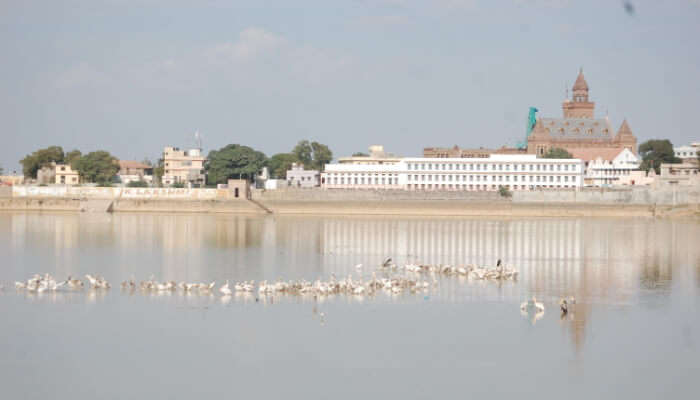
(416, 208)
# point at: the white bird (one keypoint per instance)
(532, 305)
(92, 280)
(225, 289)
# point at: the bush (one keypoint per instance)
(504, 192)
(137, 184)
(178, 185)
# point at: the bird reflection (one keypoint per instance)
(533, 317)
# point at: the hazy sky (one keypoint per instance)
(134, 76)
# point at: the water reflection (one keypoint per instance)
(611, 261)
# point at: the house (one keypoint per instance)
(64, 175)
(605, 167)
(132, 171)
(299, 177)
(679, 174)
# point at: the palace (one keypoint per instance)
(579, 132)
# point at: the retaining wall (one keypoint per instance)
(82, 192)
(128, 205)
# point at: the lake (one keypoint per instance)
(634, 332)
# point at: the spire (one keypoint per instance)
(538, 130)
(624, 128)
(580, 82)
(626, 138)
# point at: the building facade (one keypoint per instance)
(297, 176)
(688, 154)
(603, 172)
(579, 130)
(183, 166)
(132, 171)
(514, 172)
(458, 152)
(64, 175)
(376, 156)
(679, 174)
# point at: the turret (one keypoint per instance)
(579, 106)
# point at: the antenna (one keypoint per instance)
(198, 139)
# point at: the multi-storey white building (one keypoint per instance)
(183, 166)
(515, 172)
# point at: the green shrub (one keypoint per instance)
(504, 192)
(137, 184)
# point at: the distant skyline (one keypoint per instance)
(132, 77)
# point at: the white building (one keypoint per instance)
(376, 155)
(601, 172)
(689, 154)
(299, 177)
(515, 172)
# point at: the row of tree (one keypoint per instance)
(98, 166)
(232, 161)
(238, 161)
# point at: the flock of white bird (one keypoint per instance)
(392, 282)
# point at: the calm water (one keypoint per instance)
(635, 332)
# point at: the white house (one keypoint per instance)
(601, 172)
(297, 176)
(515, 172)
(689, 154)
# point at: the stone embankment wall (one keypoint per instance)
(675, 201)
(316, 194)
(129, 205)
(97, 199)
(82, 192)
(670, 196)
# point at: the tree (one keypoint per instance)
(504, 192)
(360, 154)
(322, 155)
(656, 151)
(146, 161)
(313, 155)
(279, 164)
(233, 161)
(556, 152)
(2, 170)
(41, 158)
(303, 152)
(72, 156)
(158, 172)
(98, 166)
